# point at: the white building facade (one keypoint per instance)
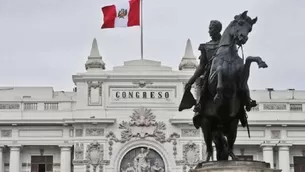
(127, 119)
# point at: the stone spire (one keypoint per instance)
(95, 59)
(188, 60)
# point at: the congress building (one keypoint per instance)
(127, 120)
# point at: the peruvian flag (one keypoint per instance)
(124, 14)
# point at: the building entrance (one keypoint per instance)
(299, 163)
(41, 163)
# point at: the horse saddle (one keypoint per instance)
(188, 101)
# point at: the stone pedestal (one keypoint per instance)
(235, 166)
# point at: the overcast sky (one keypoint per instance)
(45, 42)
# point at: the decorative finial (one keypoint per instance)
(189, 49)
(189, 60)
(95, 59)
(94, 50)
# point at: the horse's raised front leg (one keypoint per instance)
(245, 77)
(249, 60)
(219, 88)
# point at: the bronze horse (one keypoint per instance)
(227, 89)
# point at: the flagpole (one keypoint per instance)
(141, 6)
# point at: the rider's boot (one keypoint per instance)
(196, 118)
(250, 104)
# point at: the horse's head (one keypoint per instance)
(241, 27)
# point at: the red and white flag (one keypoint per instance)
(124, 14)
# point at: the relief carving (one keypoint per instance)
(275, 134)
(78, 132)
(101, 167)
(191, 153)
(94, 99)
(275, 106)
(142, 84)
(142, 125)
(142, 117)
(142, 159)
(6, 133)
(94, 155)
(190, 133)
(94, 132)
(9, 106)
(79, 151)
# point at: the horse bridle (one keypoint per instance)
(230, 45)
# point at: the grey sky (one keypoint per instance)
(44, 42)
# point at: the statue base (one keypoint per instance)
(234, 166)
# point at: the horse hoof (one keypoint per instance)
(232, 155)
(262, 65)
(208, 157)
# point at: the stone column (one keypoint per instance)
(284, 157)
(14, 158)
(65, 158)
(1, 158)
(268, 154)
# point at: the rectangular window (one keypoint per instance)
(30, 106)
(51, 106)
(296, 107)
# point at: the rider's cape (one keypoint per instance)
(187, 101)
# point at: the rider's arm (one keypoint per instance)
(200, 69)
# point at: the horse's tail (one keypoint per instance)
(221, 144)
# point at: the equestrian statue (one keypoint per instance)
(222, 76)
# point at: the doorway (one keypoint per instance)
(299, 163)
(42, 164)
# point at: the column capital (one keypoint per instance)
(284, 144)
(14, 147)
(65, 147)
(263, 145)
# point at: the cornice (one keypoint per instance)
(251, 122)
(57, 121)
(170, 76)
